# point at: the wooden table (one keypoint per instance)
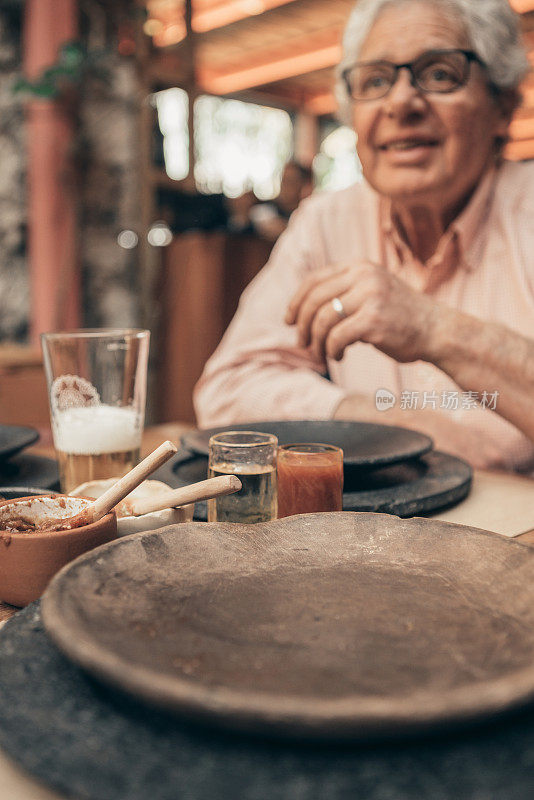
(489, 499)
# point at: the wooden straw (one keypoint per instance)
(103, 504)
(203, 490)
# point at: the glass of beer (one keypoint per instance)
(96, 390)
(310, 478)
(252, 457)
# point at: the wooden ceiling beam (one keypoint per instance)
(307, 55)
(522, 6)
(519, 151)
(521, 129)
(321, 104)
(218, 15)
(527, 21)
(268, 73)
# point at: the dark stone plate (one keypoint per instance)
(13, 492)
(419, 486)
(13, 438)
(364, 444)
(89, 741)
(29, 470)
(340, 624)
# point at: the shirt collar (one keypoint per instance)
(464, 230)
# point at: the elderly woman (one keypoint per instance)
(417, 285)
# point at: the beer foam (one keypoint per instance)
(97, 429)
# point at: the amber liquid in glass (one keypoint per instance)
(255, 501)
(77, 468)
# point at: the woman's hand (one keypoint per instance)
(380, 309)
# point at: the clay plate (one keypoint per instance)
(364, 444)
(348, 624)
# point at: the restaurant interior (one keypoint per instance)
(131, 137)
(143, 146)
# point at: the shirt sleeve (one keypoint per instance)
(258, 372)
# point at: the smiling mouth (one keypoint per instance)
(409, 144)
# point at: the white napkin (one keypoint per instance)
(145, 522)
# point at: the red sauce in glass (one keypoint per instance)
(309, 482)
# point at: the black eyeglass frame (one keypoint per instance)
(470, 55)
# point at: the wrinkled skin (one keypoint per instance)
(381, 310)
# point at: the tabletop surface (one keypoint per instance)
(498, 501)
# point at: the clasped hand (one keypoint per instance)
(379, 309)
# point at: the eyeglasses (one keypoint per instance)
(439, 71)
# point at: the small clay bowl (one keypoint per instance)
(29, 560)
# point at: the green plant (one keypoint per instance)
(72, 65)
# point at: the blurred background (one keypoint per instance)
(151, 152)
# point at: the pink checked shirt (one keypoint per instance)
(484, 266)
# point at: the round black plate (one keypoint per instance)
(415, 487)
(13, 492)
(364, 444)
(87, 741)
(13, 438)
(29, 470)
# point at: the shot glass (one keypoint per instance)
(252, 457)
(310, 478)
(96, 382)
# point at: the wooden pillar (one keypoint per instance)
(192, 90)
(306, 137)
(54, 274)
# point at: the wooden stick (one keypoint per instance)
(131, 480)
(103, 504)
(203, 490)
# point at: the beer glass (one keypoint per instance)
(96, 382)
(252, 457)
(310, 478)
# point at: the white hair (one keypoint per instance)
(492, 28)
